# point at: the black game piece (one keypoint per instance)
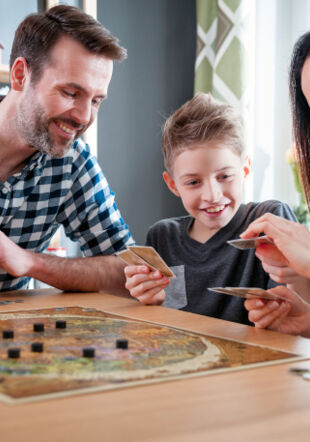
(8, 334)
(38, 327)
(14, 353)
(122, 343)
(37, 347)
(88, 352)
(61, 324)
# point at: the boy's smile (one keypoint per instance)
(209, 180)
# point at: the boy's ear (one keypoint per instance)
(246, 167)
(170, 183)
(19, 74)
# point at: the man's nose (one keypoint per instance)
(82, 113)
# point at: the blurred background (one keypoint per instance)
(239, 50)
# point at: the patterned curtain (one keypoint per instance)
(224, 33)
(225, 56)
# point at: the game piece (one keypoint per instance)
(37, 347)
(38, 327)
(122, 343)
(299, 371)
(14, 353)
(61, 324)
(88, 352)
(250, 243)
(8, 334)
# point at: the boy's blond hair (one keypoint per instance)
(200, 120)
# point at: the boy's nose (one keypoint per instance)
(211, 192)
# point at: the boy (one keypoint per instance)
(206, 166)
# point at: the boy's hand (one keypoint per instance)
(145, 285)
(285, 317)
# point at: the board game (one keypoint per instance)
(82, 355)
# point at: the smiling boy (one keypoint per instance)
(206, 166)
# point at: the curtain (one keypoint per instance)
(225, 55)
(223, 39)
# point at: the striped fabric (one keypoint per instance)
(71, 191)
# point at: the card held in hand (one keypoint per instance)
(145, 255)
(249, 243)
(249, 293)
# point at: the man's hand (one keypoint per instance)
(14, 259)
(145, 285)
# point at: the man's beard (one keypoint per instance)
(34, 128)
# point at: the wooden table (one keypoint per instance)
(258, 404)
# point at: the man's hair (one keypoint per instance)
(201, 120)
(37, 34)
(301, 111)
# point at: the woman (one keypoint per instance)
(290, 254)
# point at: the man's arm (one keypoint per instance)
(80, 274)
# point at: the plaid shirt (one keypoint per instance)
(71, 191)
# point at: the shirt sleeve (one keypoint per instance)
(89, 213)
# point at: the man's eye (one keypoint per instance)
(70, 94)
(97, 101)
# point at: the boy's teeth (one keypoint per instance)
(215, 209)
(65, 128)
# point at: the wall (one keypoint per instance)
(154, 81)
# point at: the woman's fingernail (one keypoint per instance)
(260, 303)
(274, 305)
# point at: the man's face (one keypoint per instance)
(209, 179)
(64, 102)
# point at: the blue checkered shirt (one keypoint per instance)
(71, 191)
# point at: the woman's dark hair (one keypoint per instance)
(38, 33)
(301, 111)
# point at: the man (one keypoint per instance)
(60, 69)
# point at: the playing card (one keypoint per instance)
(145, 255)
(132, 259)
(248, 292)
(250, 243)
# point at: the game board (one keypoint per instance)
(155, 353)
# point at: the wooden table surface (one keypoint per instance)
(257, 404)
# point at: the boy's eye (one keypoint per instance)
(224, 177)
(192, 183)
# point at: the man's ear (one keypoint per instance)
(19, 74)
(246, 167)
(170, 183)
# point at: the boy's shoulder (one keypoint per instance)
(254, 210)
(170, 224)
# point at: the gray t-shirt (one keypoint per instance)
(198, 266)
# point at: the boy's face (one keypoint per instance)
(209, 180)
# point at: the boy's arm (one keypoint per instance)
(145, 285)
